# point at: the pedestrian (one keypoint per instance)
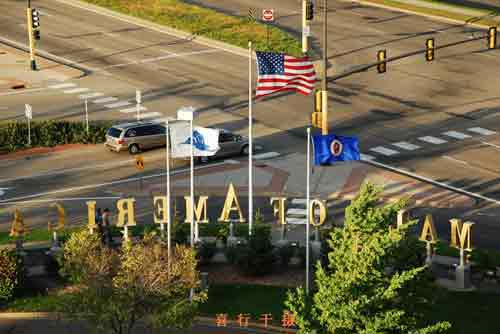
(98, 222)
(106, 226)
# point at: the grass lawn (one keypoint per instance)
(207, 23)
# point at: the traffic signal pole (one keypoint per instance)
(305, 46)
(31, 37)
(324, 82)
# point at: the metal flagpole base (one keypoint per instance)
(33, 65)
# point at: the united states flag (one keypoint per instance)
(278, 71)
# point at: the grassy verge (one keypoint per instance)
(470, 312)
(206, 22)
(437, 12)
(37, 235)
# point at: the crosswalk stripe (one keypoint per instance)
(106, 100)
(366, 157)
(133, 109)
(296, 211)
(432, 140)
(384, 150)
(266, 155)
(296, 221)
(76, 90)
(456, 134)
(90, 95)
(118, 104)
(299, 201)
(63, 85)
(482, 131)
(163, 120)
(150, 114)
(406, 146)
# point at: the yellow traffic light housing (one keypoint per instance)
(382, 58)
(309, 10)
(429, 54)
(492, 38)
(316, 118)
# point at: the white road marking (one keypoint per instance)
(296, 221)
(433, 182)
(490, 144)
(76, 90)
(482, 131)
(63, 85)
(106, 100)
(266, 155)
(133, 109)
(118, 104)
(432, 140)
(456, 135)
(150, 114)
(19, 199)
(296, 211)
(384, 151)
(406, 146)
(155, 59)
(23, 91)
(67, 199)
(163, 120)
(455, 160)
(299, 201)
(366, 157)
(90, 95)
(232, 162)
(3, 190)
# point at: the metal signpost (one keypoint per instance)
(138, 99)
(268, 17)
(86, 116)
(29, 116)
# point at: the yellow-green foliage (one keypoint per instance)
(10, 274)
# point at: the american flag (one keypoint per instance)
(278, 72)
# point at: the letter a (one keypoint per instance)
(428, 230)
(231, 204)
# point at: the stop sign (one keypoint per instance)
(268, 15)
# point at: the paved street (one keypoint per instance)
(438, 121)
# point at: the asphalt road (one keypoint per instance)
(394, 114)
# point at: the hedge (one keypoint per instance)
(14, 135)
(10, 274)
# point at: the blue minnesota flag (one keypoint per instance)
(329, 149)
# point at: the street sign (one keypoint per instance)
(138, 96)
(186, 114)
(139, 162)
(268, 15)
(28, 112)
(306, 30)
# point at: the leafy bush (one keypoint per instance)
(13, 135)
(10, 274)
(233, 253)
(285, 253)
(257, 257)
(206, 250)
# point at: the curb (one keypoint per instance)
(42, 150)
(430, 16)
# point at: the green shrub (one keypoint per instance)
(257, 257)
(285, 253)
(233, 253)
(10, 274)
(206, 250)
(14, 135)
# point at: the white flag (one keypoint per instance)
(206, 141)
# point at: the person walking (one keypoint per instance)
(98, 222)
(106, 226)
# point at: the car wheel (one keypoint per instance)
(133, 149)
(245, 150)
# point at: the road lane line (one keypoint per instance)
(67, 199)
(90, 95)
(63, 85)
(481, 131)
(384, 151)
(150, 114)
(455, 160)
(432, 140)
(431, 181)
(490, 144)
(366, 157)
(24, 91)
(19, 199)
(106, 100)
(133, 109)
(76, 90)
(118, 104)
(266, 155)
(456, 135)
(406, 146)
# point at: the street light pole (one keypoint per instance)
(324, 83)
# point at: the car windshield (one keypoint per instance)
(114, 132)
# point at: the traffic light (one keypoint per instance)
(316, 115)
(429, 54)
(35, 18)
(492, 38)
(309, 10)
(382, 58)
(36, 34)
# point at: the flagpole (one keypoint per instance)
(167, 133)
(192, 181)
(250, 142)
(308, 197)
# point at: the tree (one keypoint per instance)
(117, 289)
(371, 281)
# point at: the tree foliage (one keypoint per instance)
(372, 283)
(117, 289)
